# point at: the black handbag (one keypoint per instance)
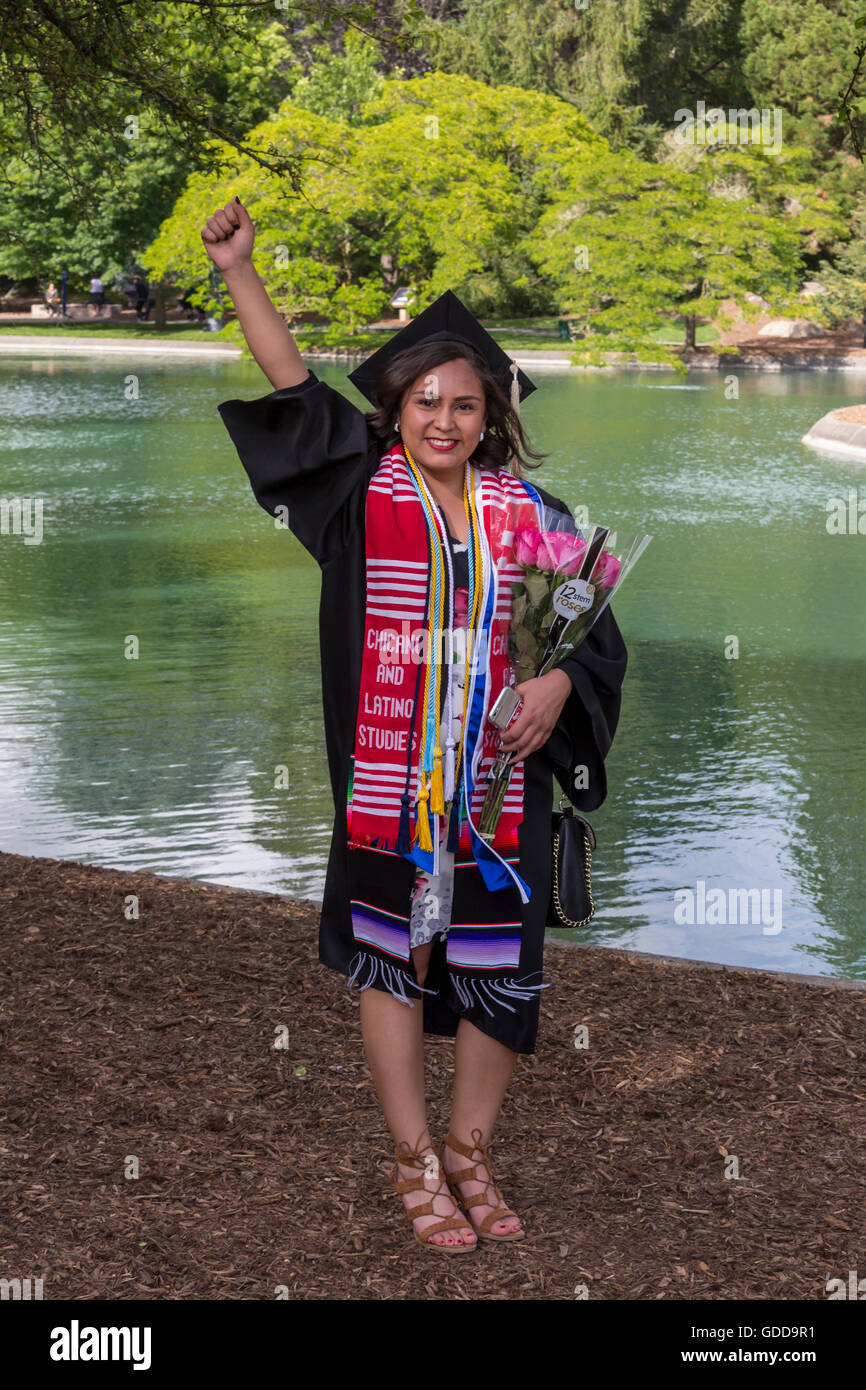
(573, 841)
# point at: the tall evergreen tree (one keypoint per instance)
(798, 55)
(628, 66)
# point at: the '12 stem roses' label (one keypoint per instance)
(573, 598)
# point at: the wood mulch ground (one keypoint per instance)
(152, 1041)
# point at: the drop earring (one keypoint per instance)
(397, 426)
(481, 436)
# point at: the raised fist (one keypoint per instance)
(228, 236)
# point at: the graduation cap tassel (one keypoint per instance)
(514, 461)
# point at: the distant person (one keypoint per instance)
(142, 298)
(52, 298)
(97, 295)
(190, 311)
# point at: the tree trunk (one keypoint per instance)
(691, 322)
(159, 305)
(389, 271)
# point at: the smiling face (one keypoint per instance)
(442, 416)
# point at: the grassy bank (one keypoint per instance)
(537, 335)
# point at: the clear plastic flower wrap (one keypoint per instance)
(570, 574)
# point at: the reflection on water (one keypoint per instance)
(726, 773)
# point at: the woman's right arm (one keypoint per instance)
(306, 448)
(228, 237)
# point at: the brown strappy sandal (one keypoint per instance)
(482, 1228)
(412, 1159)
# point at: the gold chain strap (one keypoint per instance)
(586, 873)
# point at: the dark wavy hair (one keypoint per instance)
(504, 444)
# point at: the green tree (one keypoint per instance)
(488, 191)
(44, 228)
(338, 84)
(105, 107)
(440, 174)
(630, 66)
(626, 66)
(844, 275)
(797, 56)
(99, 212)
(675, 239)
(72, 74)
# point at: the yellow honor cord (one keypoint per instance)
(472, 518)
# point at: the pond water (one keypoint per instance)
(741, 773)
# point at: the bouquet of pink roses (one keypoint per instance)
(569, 576)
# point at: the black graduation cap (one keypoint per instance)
(446, 318)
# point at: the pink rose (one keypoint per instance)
(546, 558)
(526, 547)
(544, 544)
(568, 550)
(551, 551)
(607, 571)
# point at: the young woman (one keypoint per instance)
(410, 512)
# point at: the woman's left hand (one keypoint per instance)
(543, 698)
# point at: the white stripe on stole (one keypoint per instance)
(398, 583)
(370, 787)
(388, 568)
(390, 565)
(396, 613)
(383, 587)
(392, 785)
(385, 767)
(389, 771)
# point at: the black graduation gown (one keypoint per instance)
(308, 449)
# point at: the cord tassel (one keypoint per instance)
(450, 764)
(453, 843)
(437, 800)
(423, 837)
(404, 843)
